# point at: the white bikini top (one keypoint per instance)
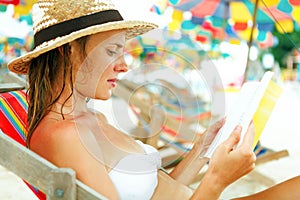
(135, 175)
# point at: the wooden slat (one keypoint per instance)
(60, 184)
(11, 77)
(36, 171)
(6, 87)
(272, 155)
(86, 193)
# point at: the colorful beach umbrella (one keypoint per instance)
(21, 7)
(15, 33)
(234, 18)
(24, 7)
(175, 50)
(239, 14)
(213, 21)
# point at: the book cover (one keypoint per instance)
(255, 101)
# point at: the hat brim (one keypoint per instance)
(21, 64)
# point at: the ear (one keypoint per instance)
(62, 50)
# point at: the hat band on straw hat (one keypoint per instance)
(67, 27)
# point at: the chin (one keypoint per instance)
(104, 96)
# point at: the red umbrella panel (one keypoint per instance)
(6, 2)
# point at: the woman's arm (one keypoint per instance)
(186, 171)
(286, 190)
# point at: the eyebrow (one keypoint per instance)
(117, 44)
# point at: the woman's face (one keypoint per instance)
(96, 74)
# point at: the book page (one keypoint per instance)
(256, 101)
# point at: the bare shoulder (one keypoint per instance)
(54, 139)
(64, 143)
(57, 131)
(66, 130)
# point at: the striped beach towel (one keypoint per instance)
(13, 121)
(13, 115)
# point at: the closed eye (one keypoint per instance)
(110, 52)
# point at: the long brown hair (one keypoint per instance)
(47, 79)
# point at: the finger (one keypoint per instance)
(216, 127)
(199, 138)
(249, 136)
(234, 138)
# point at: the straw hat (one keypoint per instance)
(57, 22)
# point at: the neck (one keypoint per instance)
(72, 106)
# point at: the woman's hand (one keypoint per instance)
(208, 136)
(190, 166)
(230, 162)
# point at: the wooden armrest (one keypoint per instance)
(6, 87)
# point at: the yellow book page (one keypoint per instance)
(265, 109)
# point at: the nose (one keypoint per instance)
(121, 65)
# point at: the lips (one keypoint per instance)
(112, 82)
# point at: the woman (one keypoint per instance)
(78, 54)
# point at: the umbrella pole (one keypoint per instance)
(251, 39)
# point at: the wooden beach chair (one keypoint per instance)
(158, 126)
(44, 179)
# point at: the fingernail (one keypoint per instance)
(221, 122)
(224, 119)
(238, 128)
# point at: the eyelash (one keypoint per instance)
(110, 52)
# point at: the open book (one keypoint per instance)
(255, 101)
